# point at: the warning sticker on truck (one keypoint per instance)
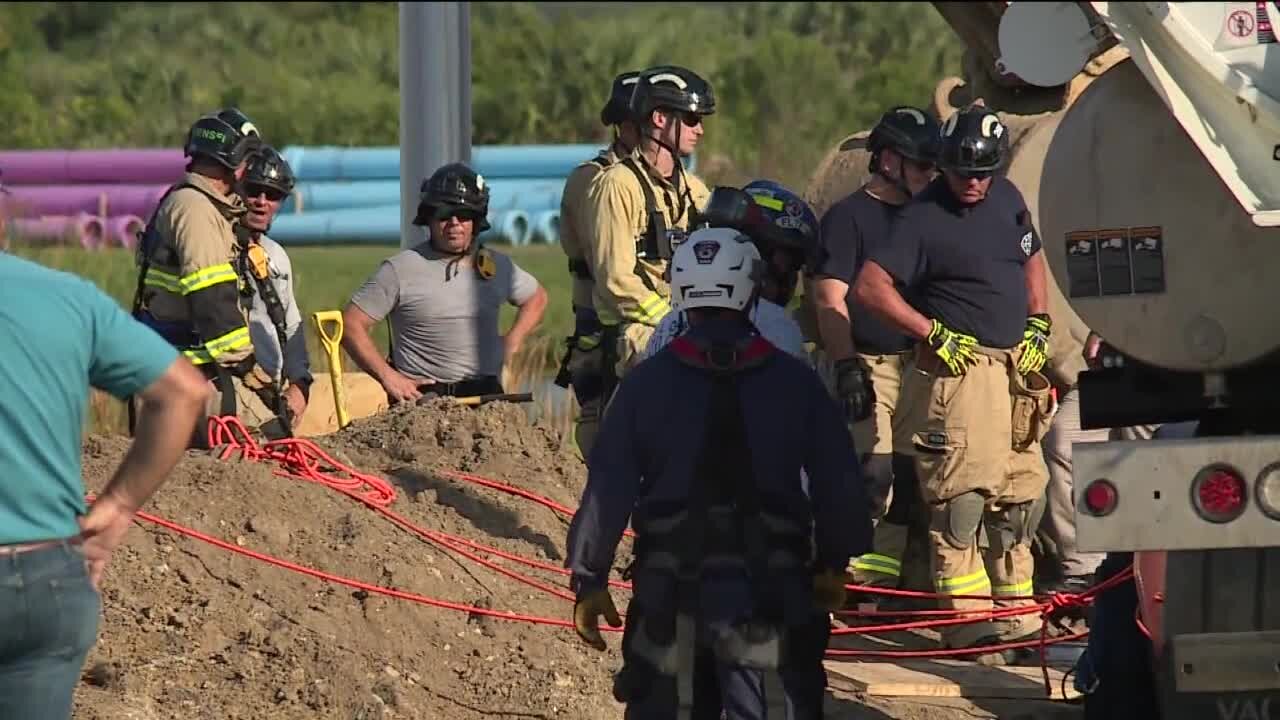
(1115, 261)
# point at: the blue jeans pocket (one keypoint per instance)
(78, 607)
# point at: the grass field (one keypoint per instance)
(324, 278)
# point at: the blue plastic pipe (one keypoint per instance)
(379, 226)
(328, 162)
(546, 228)
(530, 195)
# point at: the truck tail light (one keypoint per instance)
(1100, 497)
(1268, 491)
(1219, 493)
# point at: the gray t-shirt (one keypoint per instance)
(444, 316)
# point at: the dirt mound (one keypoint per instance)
(195, 631)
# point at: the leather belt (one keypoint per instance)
(19, 548)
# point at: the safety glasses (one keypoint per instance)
(444, 214)
(272, 194)
(691, 119)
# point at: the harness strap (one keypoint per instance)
(259, 268)
(647, 245)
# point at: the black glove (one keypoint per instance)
(853, 386)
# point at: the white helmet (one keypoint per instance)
(715, 267)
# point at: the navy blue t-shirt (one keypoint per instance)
(963, 265)
(849, 232)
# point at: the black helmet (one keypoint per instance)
(614, 111)
(973, 141)
(227, 136)
(268, 168)
(458, 187)
(670, 87)
(909, 131)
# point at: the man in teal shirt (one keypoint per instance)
(60, 335)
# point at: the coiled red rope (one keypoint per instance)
(302, 459)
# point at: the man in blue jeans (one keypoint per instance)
(59, 335)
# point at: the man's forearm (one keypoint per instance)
(527, 318)
(832, 315)
(874, 290)
(837, 337)
(1037, 290)
(159, 442)
(360, 347)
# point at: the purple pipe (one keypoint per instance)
(53, 167)
(84, 229)
(122, 230)
(38, 200)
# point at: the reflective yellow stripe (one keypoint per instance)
(163, 280)
(965, 584)
(233, 340)
(197, 356)
(206, 277)
(588, 342)
(769, 202)
(882, 564)
(1022, 588)
(651, 310)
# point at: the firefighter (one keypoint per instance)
(583, 362)
(275, 322)
(784, 230)
(737, 563)
(868, 354)
(443, 297)
(188, 288)
(968, 256)
(640, 208)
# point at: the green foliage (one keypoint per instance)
(790, 78)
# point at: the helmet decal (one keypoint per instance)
(992, 127)
(915, 114)
(705, 251)
(669, 77)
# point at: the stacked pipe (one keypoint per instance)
(92, 198)
(352, 195)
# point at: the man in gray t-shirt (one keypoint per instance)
(443, 297)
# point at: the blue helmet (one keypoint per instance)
(766, 212)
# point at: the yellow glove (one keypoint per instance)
(828, 589)
(954, 349)
(1035, 344)
(586, 616)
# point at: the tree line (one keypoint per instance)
(790, 78)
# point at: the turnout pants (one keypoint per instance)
(980, 467)
(723, 684)
(891, 477)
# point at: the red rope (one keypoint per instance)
(303, 460)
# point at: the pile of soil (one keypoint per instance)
(195, 631)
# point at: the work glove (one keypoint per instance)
(586, 616)
(1035, 344)
(828, 589)
(954, 349)
(853, 386)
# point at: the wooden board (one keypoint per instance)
(946, 678)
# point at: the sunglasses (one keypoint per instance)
(272, 194)
(444, 214)
(973, 174)
(692, 119)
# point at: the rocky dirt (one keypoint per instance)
(194, 631)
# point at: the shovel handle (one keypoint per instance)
(333, 349)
